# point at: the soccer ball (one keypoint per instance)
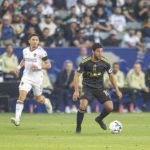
(115, 127)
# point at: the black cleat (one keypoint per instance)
(78, 130)
(101, 123)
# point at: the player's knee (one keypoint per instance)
(22, 97)
(39, 99)
(109, 108)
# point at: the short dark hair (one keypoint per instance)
(30, 36)
(96, 45)
(115, 63)
(7, 45)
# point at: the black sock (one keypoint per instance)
(80, 116)
(103, 114)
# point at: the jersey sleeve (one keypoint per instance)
(44, 55)
(81, 68)
(109, 68)
(23, 54)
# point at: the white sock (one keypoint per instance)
(48, 105)
(19, 108)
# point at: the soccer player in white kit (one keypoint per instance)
(34, 60)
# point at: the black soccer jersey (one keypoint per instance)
(93, 72)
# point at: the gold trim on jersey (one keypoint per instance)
(105, 59)
(86, 59)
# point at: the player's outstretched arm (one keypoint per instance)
(112, 79)
(19, 67)
(76, 86)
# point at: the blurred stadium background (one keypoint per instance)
(67, 30)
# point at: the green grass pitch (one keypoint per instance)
(56, 132)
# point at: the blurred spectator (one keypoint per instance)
(80, 8)
(146, 31)
(83, 54)
(118, 75)
(8, 34)
(38, 12)
(143, 10)
(10, 63)
(120, 81)
(117, 20)
(33, 22)
(140, 46)
(111, 40)
(86, 24)
(101, 21)
(64, 85)
(25, 38)
(81, 40)
(48, 23)
(47, 41)
(135, 82)
(47, 7)
(106, 5)
(59, 41)
(5, 7)
(72, 15)
(70, 30)
(129, 10)
(16, 7)
(28, 8)
(130, 39)
(88, 12)
(18, 25)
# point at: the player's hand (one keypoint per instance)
(16, 72)
(34, 67)
(75, 95)
(119, 94)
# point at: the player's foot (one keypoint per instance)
(48, 106)
(15, 122)
(78, 130)
(101, 123)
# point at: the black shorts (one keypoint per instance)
(90, 93)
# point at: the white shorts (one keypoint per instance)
(27, 85)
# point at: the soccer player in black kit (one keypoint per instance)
(93, 69)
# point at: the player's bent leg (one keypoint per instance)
(19, 107)
(108, 107)
(43, 100)
(80, 114)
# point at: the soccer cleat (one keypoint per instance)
(78, 130)
(48, 106)
(15, 122)
(101, 123)
(67, 110)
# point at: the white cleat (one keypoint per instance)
(67, 110)
(15, 122)
(48, 106)
(74, 109)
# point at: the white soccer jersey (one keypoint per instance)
(33, 57)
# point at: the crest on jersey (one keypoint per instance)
(34, 54)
